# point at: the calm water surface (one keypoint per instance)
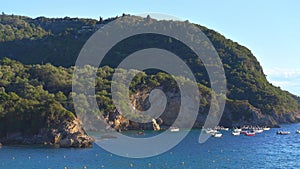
(265, 150)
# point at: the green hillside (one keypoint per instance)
(36, 85)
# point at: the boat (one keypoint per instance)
(266, 128)
(236, 133)
(283, 132)
(244, 131)
(221, 128)
(174, 129)
(258, 130)
(237, 130)
(210, 131)
(217, 134)
(298, 131)
(225, 128)
(250, 134)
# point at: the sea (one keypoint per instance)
(264, 150)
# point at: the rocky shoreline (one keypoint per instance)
(69, 134)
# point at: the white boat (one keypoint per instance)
(174, 129)
(298, 131)
(210, 131)
(236, 133)
(237, 130)
(217, 134)
(258, 130)
(267, 128)
(225, 128)
(221, 128)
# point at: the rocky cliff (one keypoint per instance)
(68, 134)
(236, 113)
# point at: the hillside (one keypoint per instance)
(251, 99)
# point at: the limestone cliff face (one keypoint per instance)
(117, 121)
(236, 113)
(68, 134)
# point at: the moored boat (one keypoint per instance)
(210, 131)
(283, 132)
(244, 131)
(250, 133)
(225, 128)
(267, 128)
(237, 130)
(236, 133)
(217, 134)
(298, 131)
(258, 130)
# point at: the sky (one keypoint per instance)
(269, 28)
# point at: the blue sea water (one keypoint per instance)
(265, 150)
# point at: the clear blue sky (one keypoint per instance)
(269, 28)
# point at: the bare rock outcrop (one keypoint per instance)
(67, 134)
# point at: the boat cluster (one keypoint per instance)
(215, 132)
(249, 130)
(246, 130)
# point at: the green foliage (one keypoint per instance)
(32, 90)
(24, 104)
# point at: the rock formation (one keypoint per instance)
(68, 134)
